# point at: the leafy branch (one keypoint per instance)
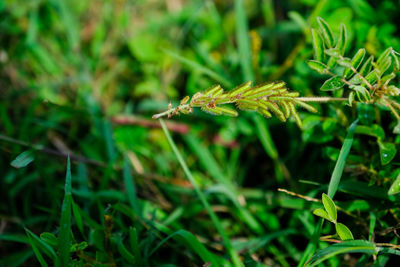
(330, 213)
(268, 99)
(368, 79)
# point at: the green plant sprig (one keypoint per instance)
(329, 212)
(367, 79)
(266, 99)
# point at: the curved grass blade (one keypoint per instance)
(344, 152)
(36, 250)
(203, 199)
(187, 239)
(353, 246)
(64, 243)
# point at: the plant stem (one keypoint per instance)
(321, 99)
(170, 111)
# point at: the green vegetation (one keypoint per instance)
(99, 168)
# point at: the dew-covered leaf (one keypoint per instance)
(342, 42)
(387, 152)
(345, 62)
(355, 62)
(318, 45)
(318, 66)
(326, 32)
(334, 83)
(333, 52)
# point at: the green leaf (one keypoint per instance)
(396, 61)
(189, 240)
(383, 58)
(227, 111)
(49, 238)
(214, 218)
(352, 246)
(355, 62)
(77, 216)
(344, 232)
(330, 207)
(332, 62)
(342, 42)
(134, 244)
(298, 19)
(125, 253)
(350, 99)
(334, 83)
(384, 61)
(373, 130)
(37, 252)
(200, 68)
(243, 40)
(23, 159)
(387, 152)
(345, 62)
(362, 93)
(372, 77)
(396, 129)
(318, 45)
(326, 32)
(340, 163)
(333, 52)
(64, 243)
(395, 187)
(42, 246)
(318, 66)
(79, 246)
(322, 213)
(366, 67)
(130, 188)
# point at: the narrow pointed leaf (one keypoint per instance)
(372, 77)
(339, 167)
(64, 243)
(326, 32)
(355, 62)
(352, 246)
(366, 67)
(342, 42)
(318, 45)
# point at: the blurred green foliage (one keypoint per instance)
(82, 78)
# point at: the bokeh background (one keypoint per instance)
(83, 78)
